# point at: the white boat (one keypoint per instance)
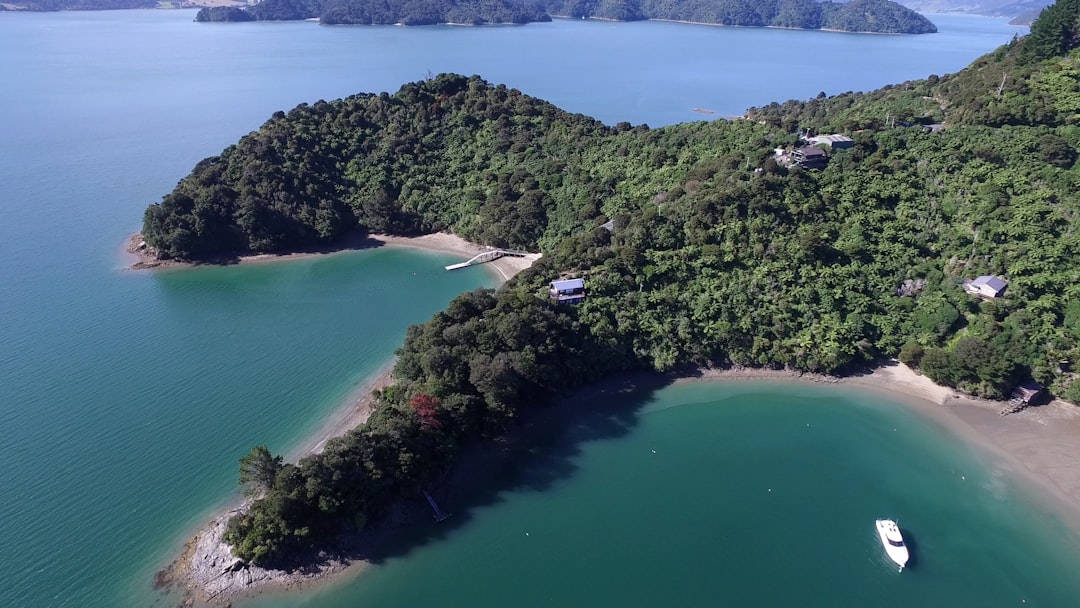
(893, 541)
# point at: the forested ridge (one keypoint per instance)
(76, 5)
(718, 255)
(879, 16)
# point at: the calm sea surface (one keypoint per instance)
(126, 398)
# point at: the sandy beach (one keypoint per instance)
(1038, 446)
(505, 268)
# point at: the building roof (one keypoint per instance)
(990, 281)
(568, 284)
(830, 139)
(1027, 390)
(810, 151)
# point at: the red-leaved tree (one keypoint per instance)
(427, 407)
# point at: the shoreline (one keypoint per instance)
(759, 27)
(205, 572)
(1037, 448)
(505, 268)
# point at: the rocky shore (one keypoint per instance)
(207, 574)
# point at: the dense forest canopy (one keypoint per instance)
(882, 16)
(696, 245)
(383, 12)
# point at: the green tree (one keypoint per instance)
(911, 354)
(258, 470)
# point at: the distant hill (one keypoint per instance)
(990, 8)
(1026, 18)
(879, 16)
(108, 5)
(75, 5)
(876, 16)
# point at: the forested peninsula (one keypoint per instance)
(874, 16)
(696, 246)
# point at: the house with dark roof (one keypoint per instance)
(569, 291)
(811, 157)
(1029, 393)
(986, 286)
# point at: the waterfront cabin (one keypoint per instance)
(811, 157)
(569, 291)
(987, 287)
(1028, 393)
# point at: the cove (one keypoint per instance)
(732, 493)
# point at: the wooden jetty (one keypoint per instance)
(438, 514)
(488, 256)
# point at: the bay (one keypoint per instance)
(753, 494)
(126, 398)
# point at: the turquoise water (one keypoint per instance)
(126, 397)
(733, 495)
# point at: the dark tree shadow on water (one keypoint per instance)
(535, 456)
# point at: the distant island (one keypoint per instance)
(867, 16)
(110, 5)
(988, 8)
(75, 5)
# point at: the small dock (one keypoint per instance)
(438, 514)
(488, 256)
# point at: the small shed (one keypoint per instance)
(568, 291)
(1028, 393)
(986, 286)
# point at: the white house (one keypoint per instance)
(569, 291)
(986, 286)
